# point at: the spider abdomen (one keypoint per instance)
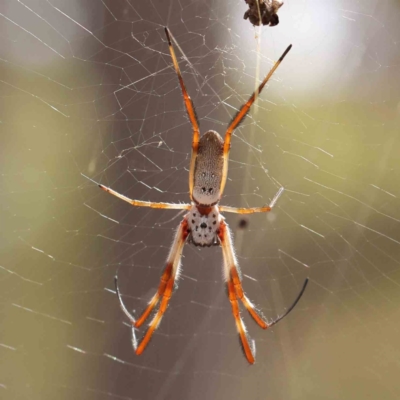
(208, 169)
(203, 226)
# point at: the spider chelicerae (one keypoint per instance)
(203, 225)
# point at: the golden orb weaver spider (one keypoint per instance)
(203, 225)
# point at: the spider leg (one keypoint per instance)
(165, 288)
(235, 289)
(232, 283)
(232, 272)
(191, 113)
(249, 350)
(253, 209)
(157, 318)
(238, 118)
(139, 203)
(292, 306)
(154, 300)
(121, 303)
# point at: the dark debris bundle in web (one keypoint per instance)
(263, 11)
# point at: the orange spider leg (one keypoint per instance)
(231, 270)
(166, 286)
(157, 318)
(253, 209)
(249, 351)
(246, 302)
(191, 113)
(237, 210)
(250, 307)
(224, 236)
(153, 302)
(139, 203)
(232, 274)
(238, 118)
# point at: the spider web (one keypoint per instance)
(88, 91)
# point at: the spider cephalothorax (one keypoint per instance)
(203, 225)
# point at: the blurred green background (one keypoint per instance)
(88, 90)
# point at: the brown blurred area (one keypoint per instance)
(87, 90)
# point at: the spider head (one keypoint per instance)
(208, 169)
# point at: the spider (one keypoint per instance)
(203, 225)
